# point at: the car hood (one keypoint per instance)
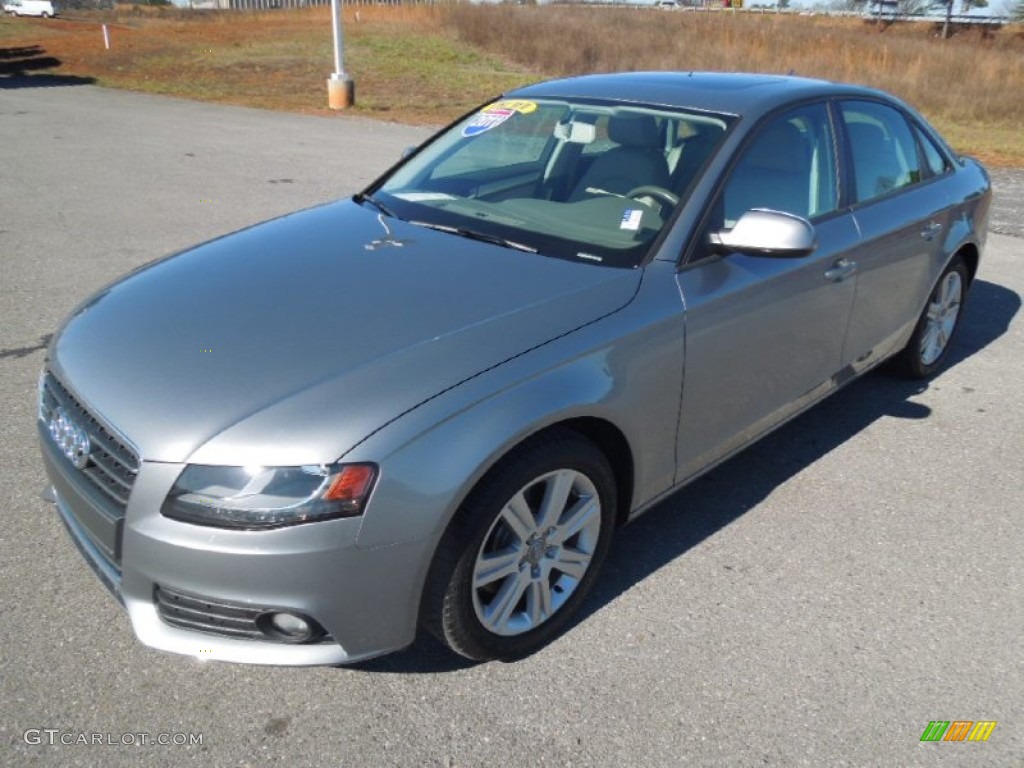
(292, 341)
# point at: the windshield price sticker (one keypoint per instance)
(495, 114)
(521, 106)
(489, 118)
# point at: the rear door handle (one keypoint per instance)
(841, 270)
(931, 229)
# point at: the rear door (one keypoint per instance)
(901, 207)
(764, 336)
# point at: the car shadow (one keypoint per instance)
(20, 52)
(712, 502)
(23, 67)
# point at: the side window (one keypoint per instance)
(789, 166)
(884, 153)
(519, 140)
(933, 158)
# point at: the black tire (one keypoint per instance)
(917, 359)
(452, 607)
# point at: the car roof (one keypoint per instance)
(723, 92)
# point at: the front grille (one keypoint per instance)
(201, 614)
(112, 465)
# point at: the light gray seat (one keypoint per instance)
(637, 161)
(774, 173)
(874, 160)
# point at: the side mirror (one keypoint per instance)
(407, 151)
(761, 232)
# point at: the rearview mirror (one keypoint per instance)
(408, 151)
(762, 232)
(576, 133)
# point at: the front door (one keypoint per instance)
(764, 336)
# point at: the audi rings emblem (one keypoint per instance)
(70, 438)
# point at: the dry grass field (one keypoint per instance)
(407, 66)
(971, 86)
(429, 64)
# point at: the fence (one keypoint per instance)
(267, 5)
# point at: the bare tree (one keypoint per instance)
(965, 6)
(915, 7)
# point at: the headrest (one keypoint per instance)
(866, 134)
(634, 131)
(780, 148)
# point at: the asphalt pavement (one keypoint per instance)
(816, 601)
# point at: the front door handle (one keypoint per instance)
(841, 270)
(932, 228)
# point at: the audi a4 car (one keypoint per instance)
(430, 406)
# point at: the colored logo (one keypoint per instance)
(521, 106)
(495, 114)
(484, 121)
(958, 730)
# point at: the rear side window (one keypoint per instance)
(883, 149)
(933, 158)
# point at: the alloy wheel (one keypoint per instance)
(536, 552)
(943, 312)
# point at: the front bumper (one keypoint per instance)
(366, 599)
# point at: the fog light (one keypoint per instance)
(288, 627)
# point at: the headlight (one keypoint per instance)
(255, 498)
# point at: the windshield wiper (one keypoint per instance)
(362, 197)
(472, 234)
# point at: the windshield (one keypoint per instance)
(585, 181)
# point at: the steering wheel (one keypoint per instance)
(658, 193)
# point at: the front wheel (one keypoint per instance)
(929, 345)
(523, 550)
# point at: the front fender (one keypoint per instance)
(625, 369)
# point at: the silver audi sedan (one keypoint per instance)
(429, 406)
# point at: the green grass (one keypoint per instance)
(424, 75)
(12, 28)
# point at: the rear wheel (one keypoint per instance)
(929, 346)
(524, 550)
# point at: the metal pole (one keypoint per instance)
(341, 91)
(339, 41)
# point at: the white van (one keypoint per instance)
(44, 8)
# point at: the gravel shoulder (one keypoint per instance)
(1007, 216)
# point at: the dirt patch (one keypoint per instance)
(407, 67)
